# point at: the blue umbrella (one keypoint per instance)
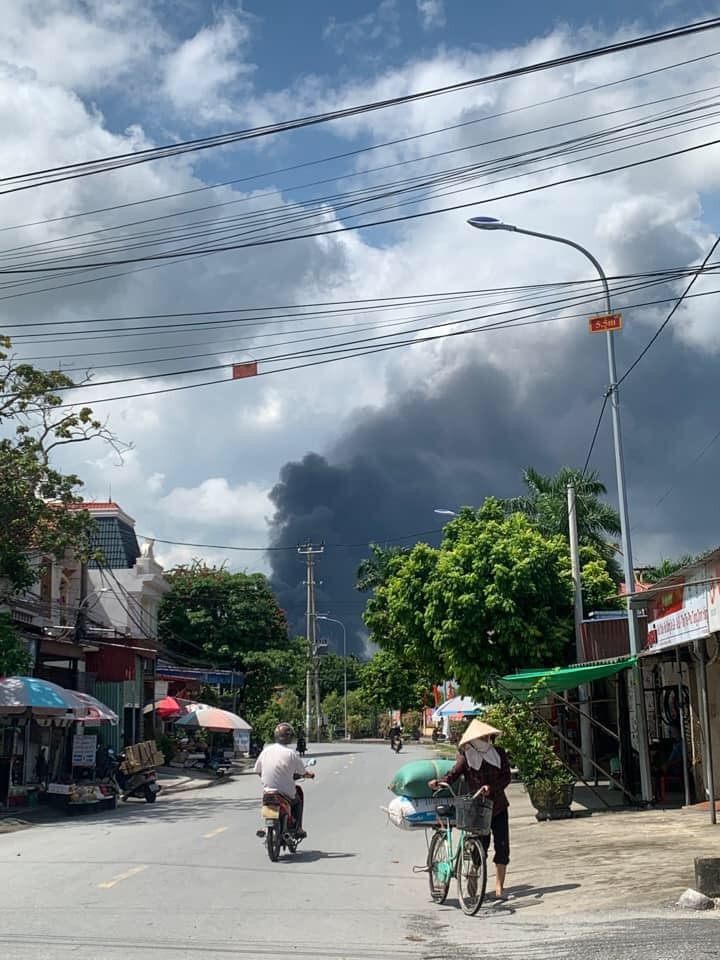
(458, 707)
(19, 694)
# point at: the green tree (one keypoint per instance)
(332, 673)
(599, 590)
(38, 503)
(14, 658)
(395, 614)
(375, 569)
(666, 567)
(388, 682)
(545, 504)
(269, 673)
(501, 596)
(213, 616)
(285, 708)
(333, 708)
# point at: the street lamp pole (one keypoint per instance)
(490, 223)
(321, 616)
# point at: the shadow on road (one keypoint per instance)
(167, 810)
(312, 856)
(528, 890)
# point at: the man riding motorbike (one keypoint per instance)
(279, 766)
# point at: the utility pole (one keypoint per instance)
(583, 690)
(310, 551)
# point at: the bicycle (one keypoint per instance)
(466, 860)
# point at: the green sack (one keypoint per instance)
(411, 780)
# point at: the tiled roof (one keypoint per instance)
(117, 541)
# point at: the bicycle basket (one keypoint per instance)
(474, 815)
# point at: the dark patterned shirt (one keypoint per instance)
(497, 778)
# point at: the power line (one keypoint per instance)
(65, 172)
(670, 315)
(595, 432)
(225, 248)
(360, 150)
(279, 548)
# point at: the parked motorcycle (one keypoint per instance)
(280, 832)
(142, 784)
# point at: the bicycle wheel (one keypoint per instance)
(471, 875)
(439, 867)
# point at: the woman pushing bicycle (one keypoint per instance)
(486, 768)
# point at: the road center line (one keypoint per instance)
(109, 884)
(214, 833)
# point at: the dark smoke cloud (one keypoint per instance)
(472, 436)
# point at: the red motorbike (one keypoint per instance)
(280, 831)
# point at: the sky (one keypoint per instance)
(363, 449)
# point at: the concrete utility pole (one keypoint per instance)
(583, 690)
(310, 551)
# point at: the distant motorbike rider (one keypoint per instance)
(395, 734)
(301, 742)
(279, 766)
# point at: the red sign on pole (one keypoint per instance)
(242, 370)
(605, 322)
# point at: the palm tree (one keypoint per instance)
(375, 569)
(545, 504)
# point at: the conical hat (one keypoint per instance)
(478, 729)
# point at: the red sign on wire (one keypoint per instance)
(605, 322)
(242, 370)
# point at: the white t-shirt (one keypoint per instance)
(276, 767)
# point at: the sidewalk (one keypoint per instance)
(618, 859)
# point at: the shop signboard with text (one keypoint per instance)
(679, 614)
(712, 573)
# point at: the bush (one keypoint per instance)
(167, 745)
(528, 740)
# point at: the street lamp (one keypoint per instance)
(491, 223)
(322, 616)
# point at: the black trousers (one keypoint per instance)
(297, 806)
(500, 829)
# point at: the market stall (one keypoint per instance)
(47, 748)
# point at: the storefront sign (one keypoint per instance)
(241, 740)
(679, 614)
(712, 573)
(84, 750)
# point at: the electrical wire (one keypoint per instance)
(361, 150)
(276, 548)
(340, 202)
(66, 172)
(580, 178)
(670, 315)
(362, 343)
(46, 244)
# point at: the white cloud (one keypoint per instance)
(85, 46)
(379, 27)
(218, 503)
(206, 72)
(432, 13)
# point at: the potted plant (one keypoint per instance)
(528, 741)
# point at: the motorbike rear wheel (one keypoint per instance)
(150, 795)
(273, 841)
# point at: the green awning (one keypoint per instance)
(556, 679)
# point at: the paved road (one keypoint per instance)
(187, 877)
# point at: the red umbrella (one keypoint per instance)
(168, 708)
